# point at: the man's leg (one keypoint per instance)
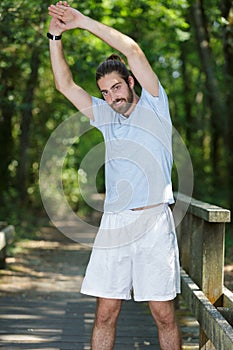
(164, 315)
(104, 329)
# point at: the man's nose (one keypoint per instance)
(111, 96)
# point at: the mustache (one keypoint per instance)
(118, 100)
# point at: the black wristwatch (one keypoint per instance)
(54, 37)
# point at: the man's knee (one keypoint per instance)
(107, 311)
(163, 312)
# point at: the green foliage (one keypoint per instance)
(165, 31)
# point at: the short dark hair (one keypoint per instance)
(113, 63)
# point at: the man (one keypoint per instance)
(135, 248)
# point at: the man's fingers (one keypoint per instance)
(57, 12)
(65, 3)
(58, 8)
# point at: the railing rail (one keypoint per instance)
(201, 238)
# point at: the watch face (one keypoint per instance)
(53, 37)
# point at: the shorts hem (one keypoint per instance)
(157, 297)
(105, 295)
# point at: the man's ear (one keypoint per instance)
(131, 81)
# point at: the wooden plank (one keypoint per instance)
(227, 305)
(227, 298)
(213, 260)
(203, 256)
(227, 314)
(196, 251)
(205, 211)
(216, 328)
(34, 324)
(184, 241)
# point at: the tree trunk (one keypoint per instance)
(27, 106)
(6, 141)
(186, 93)
(212, 88)
(227, 13)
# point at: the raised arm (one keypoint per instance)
(137, 60)
(62, 75)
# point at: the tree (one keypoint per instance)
(189, 46)
(227, 15)
(213, 92)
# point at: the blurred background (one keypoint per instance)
(188, 43)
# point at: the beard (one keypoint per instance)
(123, 104)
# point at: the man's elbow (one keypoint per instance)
(58, 86)
(136, 48)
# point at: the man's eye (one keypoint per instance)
(117, 87)
(104, 93)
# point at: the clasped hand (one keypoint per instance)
(64, 17)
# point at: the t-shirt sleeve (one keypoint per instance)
(158, 103)
(102, 113)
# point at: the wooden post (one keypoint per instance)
(212, 268)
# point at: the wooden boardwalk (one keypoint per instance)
(67, 325)
(41, 308)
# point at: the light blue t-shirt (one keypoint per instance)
(138, 152)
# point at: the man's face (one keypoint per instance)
(116, 92)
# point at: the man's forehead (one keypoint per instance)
(109, 80)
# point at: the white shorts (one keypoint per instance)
(135, 251)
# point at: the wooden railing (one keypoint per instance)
(7, 233)
(201, 238)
